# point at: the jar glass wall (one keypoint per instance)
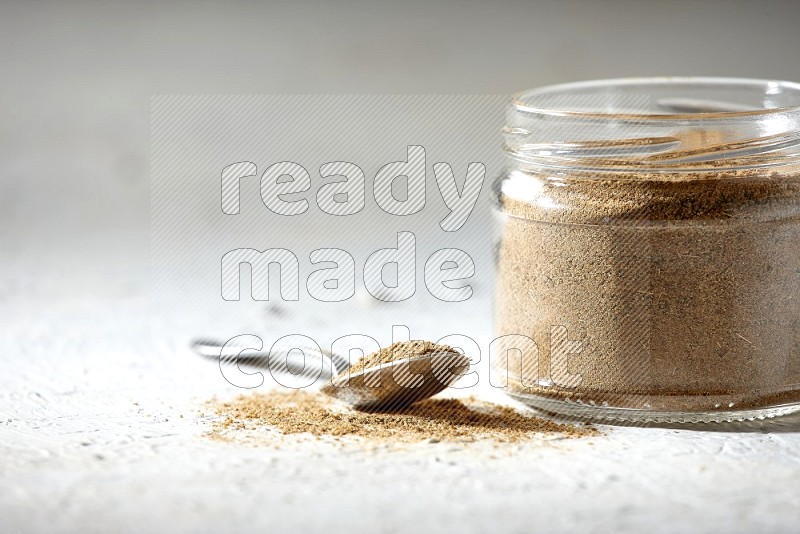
(649, 254)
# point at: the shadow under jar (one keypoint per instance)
(649, 254)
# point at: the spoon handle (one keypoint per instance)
(283, 360)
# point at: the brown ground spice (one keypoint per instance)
(296, 412)
(684, 293)
(398, 351)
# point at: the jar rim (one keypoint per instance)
(769, 87)
(659, 124)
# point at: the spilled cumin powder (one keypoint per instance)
(297, 412)
(398, 351)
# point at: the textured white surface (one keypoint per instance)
(91, 394)
(101, 430)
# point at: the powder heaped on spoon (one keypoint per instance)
(399, 351)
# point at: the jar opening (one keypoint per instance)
(667, 124)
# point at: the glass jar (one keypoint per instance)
(648, 265)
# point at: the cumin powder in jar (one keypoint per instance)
(649, 257)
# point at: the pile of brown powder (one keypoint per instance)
(398, 351)
(298, 412)
(683, 293)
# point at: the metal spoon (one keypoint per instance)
(386, 387)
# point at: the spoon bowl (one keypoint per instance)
(397, 384)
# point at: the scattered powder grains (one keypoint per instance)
(298, 412)
(398, 351)
(683, 289)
